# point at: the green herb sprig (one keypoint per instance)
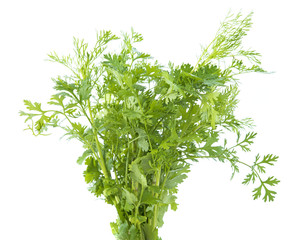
(143, 124)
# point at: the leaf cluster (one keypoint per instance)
(143, 124)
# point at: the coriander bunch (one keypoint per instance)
(142, 124)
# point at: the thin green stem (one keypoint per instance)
(252, 168)
(138, 204)
(83, 139)
(164, 182)
(145, 125)
(126, 165)
(203, 54)
(102, 160)
(158, 176)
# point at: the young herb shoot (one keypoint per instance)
(143, 124)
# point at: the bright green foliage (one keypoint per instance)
(142, 124)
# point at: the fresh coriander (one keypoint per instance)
(142, 124)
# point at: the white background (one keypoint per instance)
(42, 191)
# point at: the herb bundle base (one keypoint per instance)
(142, 124)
